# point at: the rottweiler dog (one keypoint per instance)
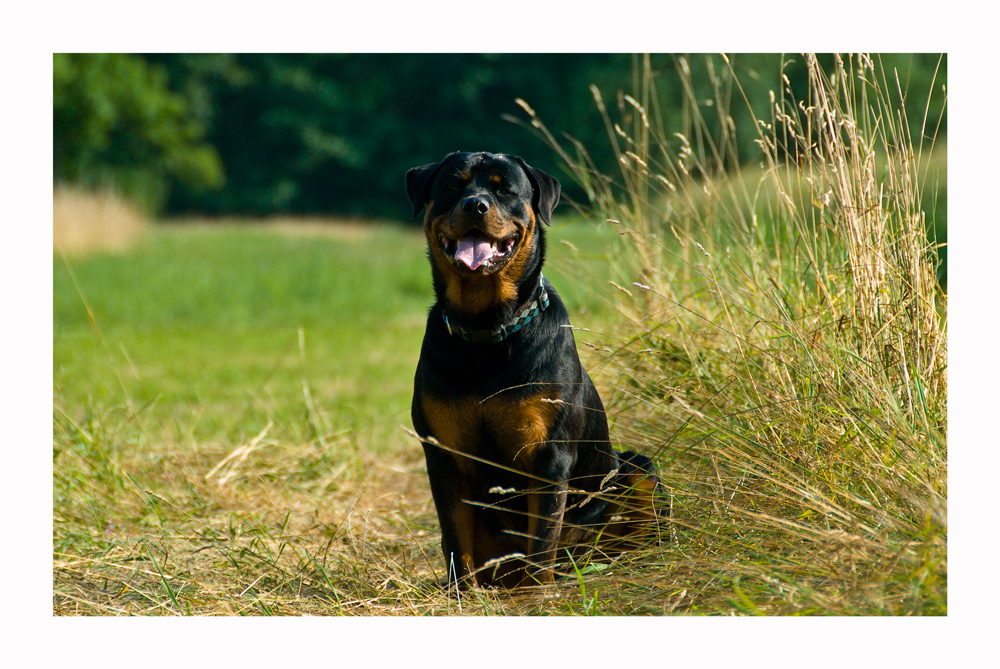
(514, 432)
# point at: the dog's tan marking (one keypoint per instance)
(480, 292)
(512, 273)
(521, 424)
(456, 424)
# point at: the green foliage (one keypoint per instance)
(117, 124)
(334, 133)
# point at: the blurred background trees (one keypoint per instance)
(260, 134)
(117, 124)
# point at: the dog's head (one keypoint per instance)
(482, 223)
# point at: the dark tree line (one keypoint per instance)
(255, 134)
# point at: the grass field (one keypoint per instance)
(287, 348)
(231, 400)
(215, 330)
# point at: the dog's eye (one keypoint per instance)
(503, 190)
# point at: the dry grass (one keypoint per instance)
(85, 221)
(258, 535)
(785, 359)
(266, 528)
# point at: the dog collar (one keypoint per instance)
(501, 332)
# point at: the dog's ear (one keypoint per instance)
(418, 183)
(546, 190)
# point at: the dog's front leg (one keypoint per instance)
(546, 506)
(456, 516)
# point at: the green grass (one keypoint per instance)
(213, 331)
(220, 329)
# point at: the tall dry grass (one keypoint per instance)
(86, 221)
(785, 355)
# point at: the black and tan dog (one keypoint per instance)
(515, 434)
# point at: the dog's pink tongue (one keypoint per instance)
(474, 249)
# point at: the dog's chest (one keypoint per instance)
(508, 427)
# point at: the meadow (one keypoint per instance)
(248, 381)
(231, 399)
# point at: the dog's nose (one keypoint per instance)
(475, 205)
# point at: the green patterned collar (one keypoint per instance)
(501, 332)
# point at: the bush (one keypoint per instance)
(117, 125)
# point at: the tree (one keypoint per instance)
(117, 124)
